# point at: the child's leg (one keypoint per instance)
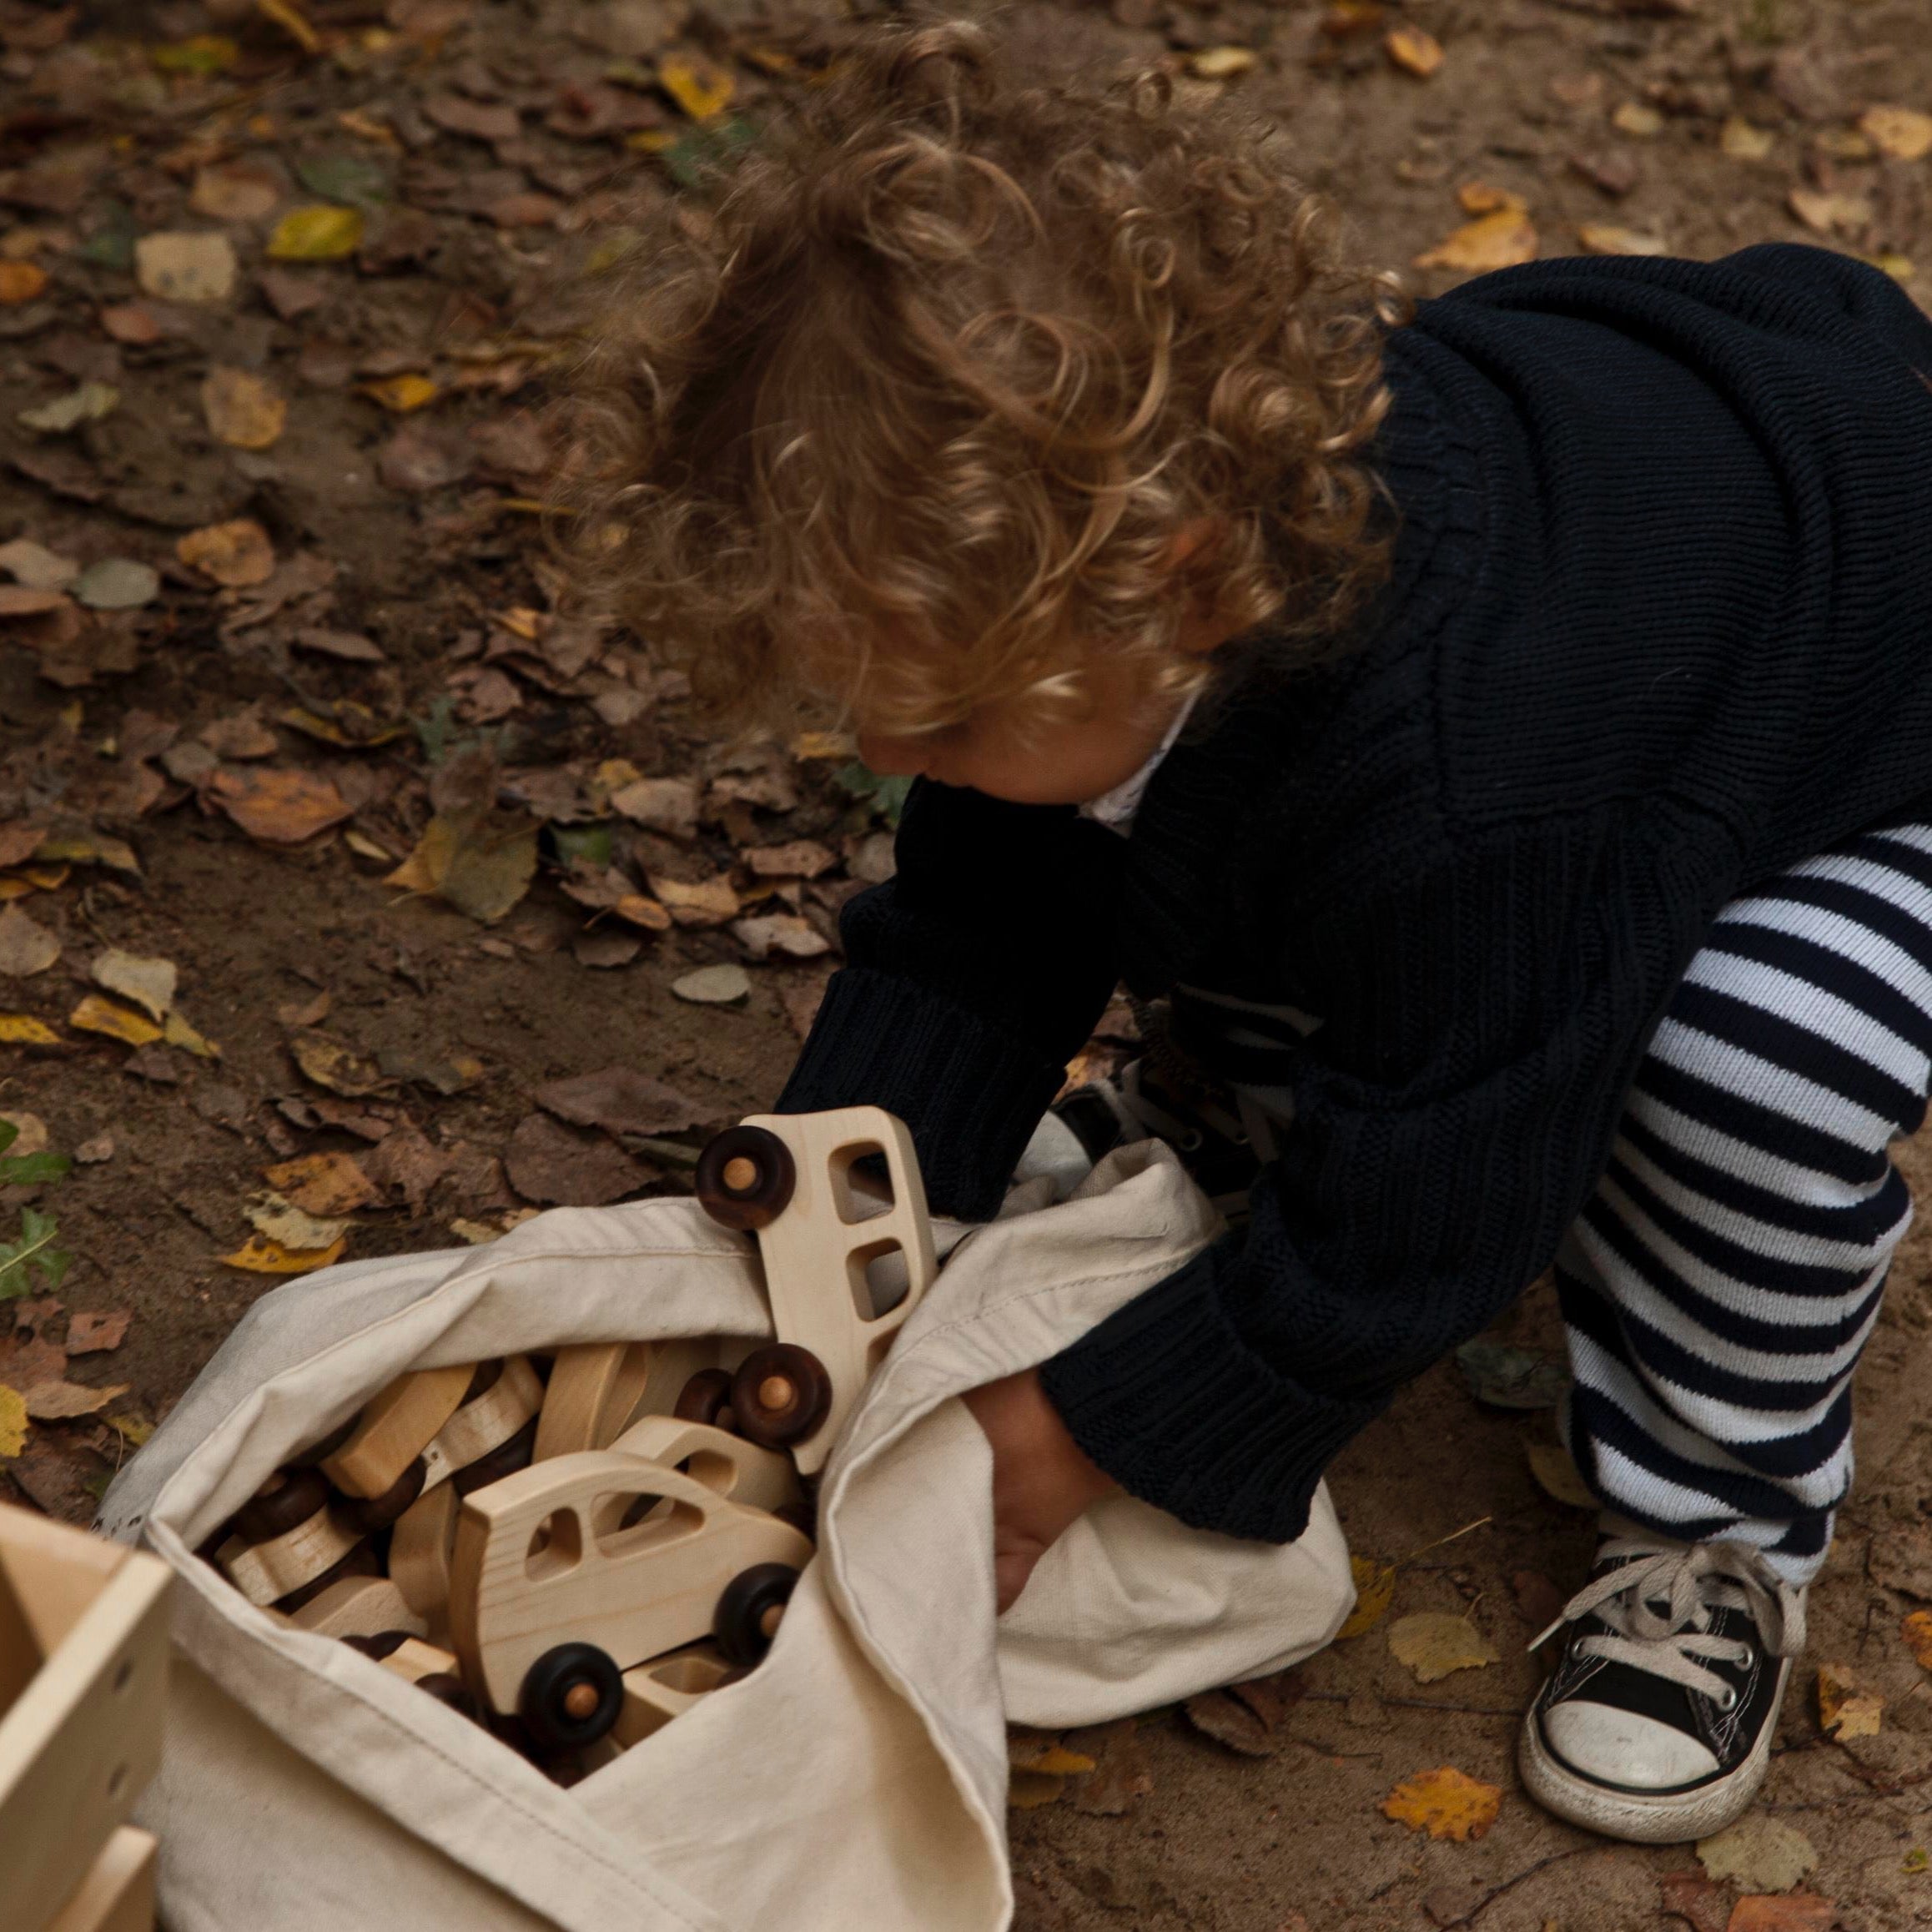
(1718, 1289)
(1720, 1285)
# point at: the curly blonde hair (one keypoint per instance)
(914, 419)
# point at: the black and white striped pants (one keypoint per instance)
(1720, 1284)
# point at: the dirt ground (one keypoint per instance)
(214, 750)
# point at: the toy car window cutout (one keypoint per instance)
(625, 1523)
(880, 1278)
(861, 1182)
(715, 1471)
(689, 1673)
(557, 1547)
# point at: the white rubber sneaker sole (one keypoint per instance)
(1665, 1817)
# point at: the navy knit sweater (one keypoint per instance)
(1659, 625)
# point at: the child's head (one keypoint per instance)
(986, 412)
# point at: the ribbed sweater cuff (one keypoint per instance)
(1166, 1398)
(971, 1094)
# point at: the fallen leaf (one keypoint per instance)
(1800, 1912)
(1511, 1378)
(233, 554)
(1413, 50)
(1703, 1901)
(135, 1430)
(330, 1063)
(701, 86)
(1633, 118)
(1903, 133)
(1375, 1590)
(184, 267)
(62, 1401)
(1601, 238)
(1758, 1854)
(22, 1030)
(117, 583)
(71, 847)
(20, 282)
(784, 933)
(12, 1422)
(1220, 63)
(666, 805)
(88, 403)
(26, 948)
(1558, 1476)
(1434, 1644)
(405, 1162)
(1029, 1790)
(29, 1136)
(1742, 142)
(258, 1257)
(1446, 1803)
(713, 985)
(802, 858)
(1846, 1707)
(709, 902)
(97, 1015)
(19, 600)
(351, 647)
(1032, 1751)
(234, 191)
(1500, 240)
(560, 1166)
(1484, 197)
(279, 1221)
(1121, 1776)
(481, 120)
(91, 1152)
(242, 411)
(422, 456)
(1539, 1600)
(95, 1334)
(317, 233)
(482, 864)
(132, 323)
(279, 807)
(290, 18)
(147, 982)
(620, 1100)
(402, 395)
(1916, 1629)
(38, 567)
(1902, 1560)
(322, 1183)
(1823, 212)
(305, 1012)
(240, 735)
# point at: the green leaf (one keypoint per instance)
(30, 1170)
(588, 842)
(8, 1134)
(705, 152)
(34, 1249)
(887, 797)
(112, 244)
(355, 179)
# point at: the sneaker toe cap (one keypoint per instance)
(1625, 1748)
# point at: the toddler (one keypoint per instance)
(1498, 732)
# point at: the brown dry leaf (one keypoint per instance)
(620, 1100)
(234, 191)
(23, 600)
(61, 1401)
(26, 947)
(1375, 1590)
(701, 86)
(710, 901)
(783, 934)
(1029, 1790)
(1484, 197)
(322, 1183)
(1446, 1803)
(1797, 1912)
(559, 1166)
(1916, 1629)
(1121, 1776)
(1558, 1476)
(242, 411)
(1634, 117)
(1434, 1644)
(1230, 1721)
(481, 120)
(1846, 1707)
(1539, 1600)
(147, 982)
(1758, 1854)
(241, 735)
(482, 864)
(279, 807)
(258, 1256)
(1706, 1903)
(405, 1162)
(1823, 212)
(233, 554)
(1743, 142)
(20, 282)
(95, 1334)
(132, 323)
(97, 1015)
(1903, 133)
(666, 805)
(1603, 238)
(340, 1068)
(1500, 240)
(1413, 50)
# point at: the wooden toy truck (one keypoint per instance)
(832, 1252)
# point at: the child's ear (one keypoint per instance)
(1194, 543)
(1191, 547)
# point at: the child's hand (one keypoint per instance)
(1042, 1479)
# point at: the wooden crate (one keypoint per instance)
(83, 1678)
(118, 1893)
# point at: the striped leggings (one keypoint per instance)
(1722, 1280)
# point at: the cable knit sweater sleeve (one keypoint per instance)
(1484, 1018)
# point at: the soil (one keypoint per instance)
(1618, 125)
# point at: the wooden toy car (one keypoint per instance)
(397, 1425)
(579, 1568)
(668, 1687)
(598, 1390)
(831, 1252)
(739, 1470)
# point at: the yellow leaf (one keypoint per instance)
(22, 1030)
(401, 394)
(1551, 1464)
(1917, 1632)
(1846, 1708)
(235, 554)
(1903, 132)
(1742, 142)
(12, 1421)
(1446, 1803)
(809, 747)
(317, 233)
(1500, 240)
(20, 282)
(177, 1033)
(701, 86)
(367, 127)
(1899, 267)
(1215, 63)
(322, 1183)
(647, 141)
(1047, 1755)
(1822, 212)
(1413, 50)
(1603, 238)
(242, 411)
(1436, 1644)
(291, 22)
(1028, 1790)
(133, 1430)
(710, 903)
(259, 1256)
(1375, 1590)
(1633, 118)
(1484, 197)
(97, 1015)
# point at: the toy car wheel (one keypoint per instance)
(571, 1697)
(378, 1513)
(446, 1688)
(505, 1459)
(780, 1394)
(745, 1178)
(749, 1609)
(384, 1644)
(707, 1397)
(319, 1452)
(289, 1497)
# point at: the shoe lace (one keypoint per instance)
(1689, 1581)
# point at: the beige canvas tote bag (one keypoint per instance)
(858, 1778)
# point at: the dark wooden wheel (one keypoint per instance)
(289, 1497)
(384, 1644)
(780, 1394)
(707, 1397)
(505, 1459)
(745, 1178)
(749, 1610)
(360, 1561)
(322, 1451)
(571, 1697)
(378, 1513)
(487, 1375)
(446, 1688)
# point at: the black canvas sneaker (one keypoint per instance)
(1658, 1723)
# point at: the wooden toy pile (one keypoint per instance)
(573, 1549)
